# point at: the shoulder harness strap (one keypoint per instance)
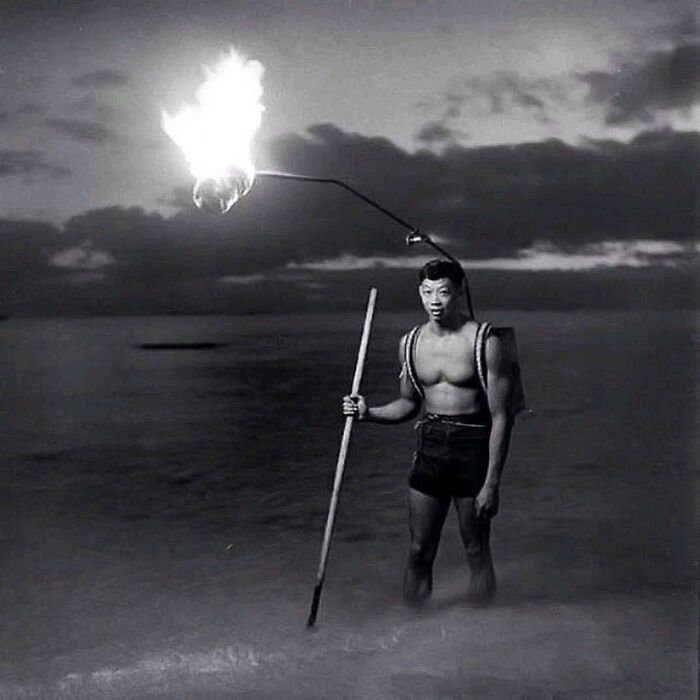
(482, 333)
(409, 361)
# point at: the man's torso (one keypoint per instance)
(445, 368)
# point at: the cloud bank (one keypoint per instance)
(635, 91)
(28, 162)
(87, 131)
(546, 210)
(105, 78)
(655, 83)
(539, 258)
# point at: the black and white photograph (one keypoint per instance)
(349, 349)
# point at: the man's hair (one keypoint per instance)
(439, 269)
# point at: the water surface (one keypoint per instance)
(162, 512)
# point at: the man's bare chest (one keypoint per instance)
(446, 359)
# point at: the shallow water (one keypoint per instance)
(162, 513)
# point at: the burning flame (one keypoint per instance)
(216, 134)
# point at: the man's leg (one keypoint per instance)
(475, 535)
(426, 518)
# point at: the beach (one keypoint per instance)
(162, 512)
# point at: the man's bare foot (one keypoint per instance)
(417, 588)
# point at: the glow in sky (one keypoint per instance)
(83, 86)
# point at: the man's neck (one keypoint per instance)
(448, 325)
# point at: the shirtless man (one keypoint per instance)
(463, 436)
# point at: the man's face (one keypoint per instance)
(440, 298)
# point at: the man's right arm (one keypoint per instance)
(405, 407)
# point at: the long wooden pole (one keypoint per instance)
(340, 466)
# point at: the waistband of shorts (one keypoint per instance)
(479, 418)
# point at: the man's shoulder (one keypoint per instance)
(468, 330)
(412, 331)
(497, 349)
(404, 339)
(471, 325)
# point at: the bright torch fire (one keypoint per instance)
(216, 134)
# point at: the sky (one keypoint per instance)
(549, 145)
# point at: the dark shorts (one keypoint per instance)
(452, 455)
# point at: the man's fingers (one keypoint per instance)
(485, 510)
(354, 405)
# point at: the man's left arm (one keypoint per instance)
(499, 390)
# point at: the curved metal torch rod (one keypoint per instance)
(414, 235)
(345, 186)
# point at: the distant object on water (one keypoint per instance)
(181, 346)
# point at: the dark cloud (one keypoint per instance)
(106, 78)
(687, 27)
(505, 91)
(487, 95)
(436, 132)
(26, 247)
(92, 108)
(482, 202)
(683, 29)
(29, 108)
(91, 131)
(9, 113)
(24, 162)
(491, 200)
(28, 285)
(636, 90)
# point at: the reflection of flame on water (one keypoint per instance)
(216, 134)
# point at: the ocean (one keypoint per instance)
(162, 511)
